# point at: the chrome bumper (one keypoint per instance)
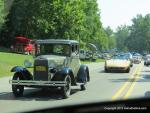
(37, 83)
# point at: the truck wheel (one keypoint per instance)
(17, 90)
(66, 90)
(84, 86)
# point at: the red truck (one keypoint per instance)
(22, 45)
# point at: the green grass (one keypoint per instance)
(9, 60)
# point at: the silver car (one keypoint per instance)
(147, 60)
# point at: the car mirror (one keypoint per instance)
(27, 63)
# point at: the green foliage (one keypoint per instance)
(10, 62)
(135, 37)
(59, 19)
(139, 38)
(1, 12)
(121, 35)
(111, 38)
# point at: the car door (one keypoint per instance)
(75, 61)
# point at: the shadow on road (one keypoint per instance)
(35, 95)
(111, 72)
(122, 80)
(142, 78)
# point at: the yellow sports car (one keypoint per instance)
(117, 63)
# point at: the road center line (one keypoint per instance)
(123, 87)
(133, 84)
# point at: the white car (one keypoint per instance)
(118, 63)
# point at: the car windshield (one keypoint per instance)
(53, 49)
(121, 57)
(66, 52)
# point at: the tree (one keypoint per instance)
(122, 35)
(1, 12)
(63, 19)
(111, 38)
(139, 39)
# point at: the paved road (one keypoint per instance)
(103, 87)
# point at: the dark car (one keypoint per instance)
(56, 65)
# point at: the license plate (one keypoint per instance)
(40, 68)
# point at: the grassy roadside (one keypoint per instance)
(9, 60)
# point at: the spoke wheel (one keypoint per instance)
(84, 86)
(17, 89)
(66, 90)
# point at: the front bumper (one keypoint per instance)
(117, 68)
(38, 83)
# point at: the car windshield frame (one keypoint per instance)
(120, 57)
(53, 51)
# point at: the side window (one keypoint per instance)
(75, 49)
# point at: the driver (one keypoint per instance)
(66, 50)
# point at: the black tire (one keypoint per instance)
(128, 70)
(17, 89)
(106, 70)
(84, 85)
(66, 90)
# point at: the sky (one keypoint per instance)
(119, 12)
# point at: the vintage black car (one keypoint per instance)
(56, 64)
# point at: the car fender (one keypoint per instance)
(59, 76)
(81, 76)
(24, 72)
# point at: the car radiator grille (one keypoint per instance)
(41, 70)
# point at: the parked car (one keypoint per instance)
(105, 56)
(82, 54)
(117, 63)
(22, 45)
(137, 59)
(147, 60)
(56, 64)
(87, 55)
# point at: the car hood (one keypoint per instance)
(53, 60)
(117, 62)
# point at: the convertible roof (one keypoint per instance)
(56, 41)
